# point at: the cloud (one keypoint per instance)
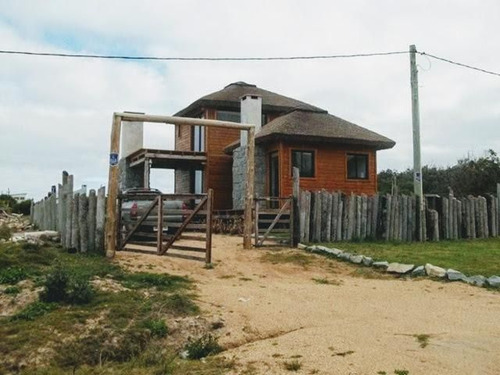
(55, 114)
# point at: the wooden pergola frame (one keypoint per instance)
(113, 188)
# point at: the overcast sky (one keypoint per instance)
(55, 113)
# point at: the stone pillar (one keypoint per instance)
(239, 174)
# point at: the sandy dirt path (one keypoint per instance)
(277, 313)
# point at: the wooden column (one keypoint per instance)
(159, 234)
(248, 224)
(113, 179)
(210, 202)
(295, 220)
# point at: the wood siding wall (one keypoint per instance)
(330, 169)
(219, 170)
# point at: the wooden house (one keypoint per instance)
(331, 153)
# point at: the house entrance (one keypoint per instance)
(274, 176)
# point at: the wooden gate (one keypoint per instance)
(161, 221)
(273, 220)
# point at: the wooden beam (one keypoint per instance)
(113, 179)
(250, 176)
(182, 121)
(159, 238)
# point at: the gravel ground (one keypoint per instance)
(326, 319)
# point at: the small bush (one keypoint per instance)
(12, 275)
(34, 310)
(79, 291)
(158, 328)
(59, 286)
(55, 286)
(5, 232)
(202, 347)
(292, 365)
(12, 290)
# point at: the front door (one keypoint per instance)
(274, 176)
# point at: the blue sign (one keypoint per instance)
(113, 159)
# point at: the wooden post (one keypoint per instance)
(334, 214)
(159, 225)
(75, 229)
(146, 182)
(92, 219)
(82, 223)
(295, 221)
(113, 180)
(498, 209)
(210, 202)
(100, 219)
(325, 214)
(250, 176)
(307, 222)
(69, 212)
(256, 222)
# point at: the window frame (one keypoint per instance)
(298, 150)
(366, 156)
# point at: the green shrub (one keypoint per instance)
(34, 310)
(79, 291)
(5, 232)
(23, 207)
(202, 347)
(12, 275)
(158, 328)
(55, 286)
(59, 286)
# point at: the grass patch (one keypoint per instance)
(34, 310)
(401, 372)
(472, 257)
(12, 290)
(343, 354)
(121, 331)
(282, 257)
(292, 365)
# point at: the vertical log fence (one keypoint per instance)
(333, 216)
(80, 219)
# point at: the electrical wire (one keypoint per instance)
(155, 58)
(459, 64)
(268, 58)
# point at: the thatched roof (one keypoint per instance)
(229, 99)
(318, 127)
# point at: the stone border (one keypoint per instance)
(405, 269)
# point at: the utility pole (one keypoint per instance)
(417, 164)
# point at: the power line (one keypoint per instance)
(265, 58)
(459, 64)
(156, 58)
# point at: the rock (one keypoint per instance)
(45, 235)
(310, 248)
(400, 268)
(335, 252)
(302, 246)
(434, 271)
(478, 280)
(184, 354)
(454, 275)
(356, 259)
(383, 264)
(345, 256)
(493, 281)
(418, 271)
(322, 248)
(367, 261)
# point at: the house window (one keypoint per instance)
(228, 116)
(304, 160)
(198, 138)
(357, 166)
(197, 182)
